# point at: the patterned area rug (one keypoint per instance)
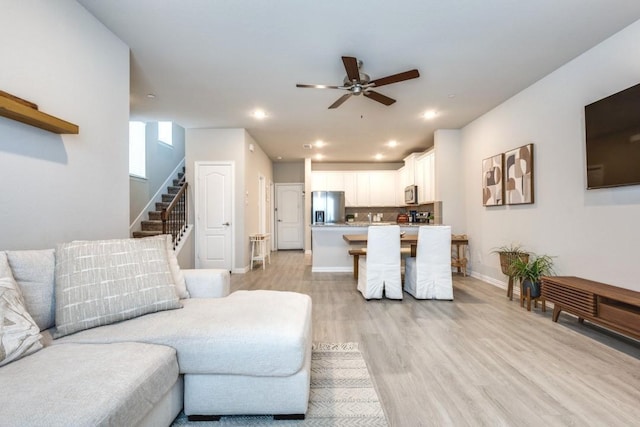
(342, 394)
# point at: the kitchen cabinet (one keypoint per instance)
(350, 189)
(327, 181)
(377, 188)
(410, 169)
(361, 188)
(425, 177)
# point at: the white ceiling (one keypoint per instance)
(210, 63)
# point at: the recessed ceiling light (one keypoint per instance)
(319, 156)
(392, 143)
(279, 157)
(259, 114)
(378, 156)
(429, 114)
(151, 95)
(319, 143)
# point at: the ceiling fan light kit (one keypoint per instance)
(359, 83)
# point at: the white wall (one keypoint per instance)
(288, 172)
(592, 233)
(448, 153)
(257, 164)
(162, 160)
(62, 187)
(231, 145)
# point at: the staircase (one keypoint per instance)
(170, 216)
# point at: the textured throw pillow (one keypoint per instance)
(34, 270)
(107, 281)
(178, 277)
(19, 335)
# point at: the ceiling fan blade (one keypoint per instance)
(407, 75)
(379, 97)
(351, 66)
(321, 86)
(340, 101)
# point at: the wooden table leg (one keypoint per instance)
(556, 312)
(356, 262)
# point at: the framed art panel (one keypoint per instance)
(492, 188)
(519, 175)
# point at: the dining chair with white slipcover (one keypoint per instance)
(428, 274)
(379, 271)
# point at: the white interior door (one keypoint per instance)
(289, 216)
(214, 213)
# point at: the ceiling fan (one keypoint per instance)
(358, 83)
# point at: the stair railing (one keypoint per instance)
(174, 217)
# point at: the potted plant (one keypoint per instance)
(507, 255)
(530, 272)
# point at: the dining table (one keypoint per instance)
(406, 240)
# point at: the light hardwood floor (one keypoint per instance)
(479, 360)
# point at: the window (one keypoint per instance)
(165, 132)
(137, 149)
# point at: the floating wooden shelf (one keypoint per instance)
(26, 112)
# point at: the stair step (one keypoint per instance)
(139, 234)
(155, 215)
(176, 182)
(174, 189)
(162, 205)
(151, 225)
(180, 175)
(168, 197)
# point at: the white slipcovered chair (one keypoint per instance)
(380, 270)
(428, 274)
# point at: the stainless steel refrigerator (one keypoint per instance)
(327, 207)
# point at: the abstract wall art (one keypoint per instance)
(492, 188)
(519, 175)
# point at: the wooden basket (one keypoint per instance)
(507, 258)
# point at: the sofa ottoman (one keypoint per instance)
(248, 353)
(88, 385)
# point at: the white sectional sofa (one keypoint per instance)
(215, 354)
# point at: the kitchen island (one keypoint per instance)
(330, 252)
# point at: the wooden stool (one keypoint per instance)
(259, 248)
(458, 260)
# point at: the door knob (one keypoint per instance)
(225, 223)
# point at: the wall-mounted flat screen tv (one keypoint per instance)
(613, 139)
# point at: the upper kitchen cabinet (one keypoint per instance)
(336, 181)
(327, 181)
(425, 177)
(361, 188)
(410, 169)
(377, 188)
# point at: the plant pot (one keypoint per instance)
(534, 288)
(507, 258)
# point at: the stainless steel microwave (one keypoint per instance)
(411, 195)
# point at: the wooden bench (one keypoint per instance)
(612, 307)
(356, 253)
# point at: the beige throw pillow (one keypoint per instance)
(19, 334)
(106, 281)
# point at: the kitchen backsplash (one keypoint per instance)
(391, 213)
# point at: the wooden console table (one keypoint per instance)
(612, 307)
